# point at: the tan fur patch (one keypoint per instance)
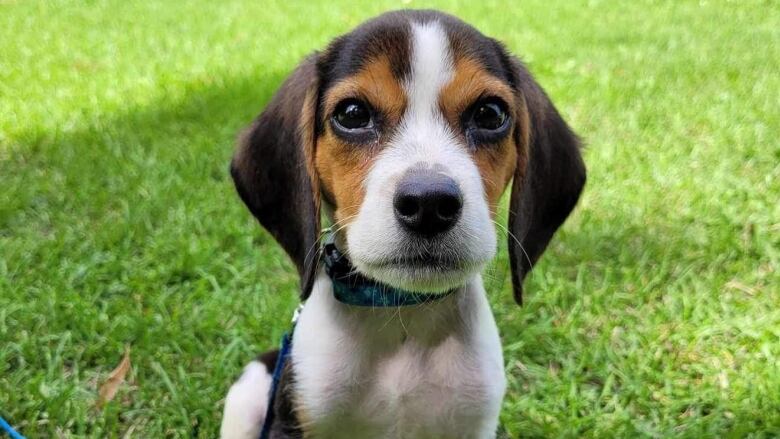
(497, 163)
(374, 84)
(305, 421)
(469, 82)
(307, 131)
(341, 166)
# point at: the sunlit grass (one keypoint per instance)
(655, 312)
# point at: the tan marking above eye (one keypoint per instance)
(375, 84)
(496, 163)
(471, 81)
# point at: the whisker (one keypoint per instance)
(519, 244)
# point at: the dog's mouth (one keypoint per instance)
(428, 261)
(429, 273)
(414, 264)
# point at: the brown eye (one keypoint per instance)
(487, 121)
(352, 114)
(489, 116)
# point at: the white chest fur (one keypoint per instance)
(434, 370)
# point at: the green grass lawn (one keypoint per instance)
(655, 312)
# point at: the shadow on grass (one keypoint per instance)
(127, 230)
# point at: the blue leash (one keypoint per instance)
(284, 352)
(281, 360)
(6, 427)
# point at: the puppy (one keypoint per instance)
(405, 133)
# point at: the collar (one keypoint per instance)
(352, 288)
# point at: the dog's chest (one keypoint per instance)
(348, 386)
(445, 392)
(442, 393)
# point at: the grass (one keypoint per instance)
(654, 313)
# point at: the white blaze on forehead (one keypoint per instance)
(424, 135)
(432, 69)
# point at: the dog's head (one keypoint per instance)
(407, 131)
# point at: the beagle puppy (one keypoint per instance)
(405, 133)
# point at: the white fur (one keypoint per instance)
(423, 138)
(434, 370)
(246, 403)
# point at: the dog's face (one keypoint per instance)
(407, 131)
(417, 145)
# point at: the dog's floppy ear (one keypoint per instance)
(546, 187)
(273, 170)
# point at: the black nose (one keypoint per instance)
(427, 202)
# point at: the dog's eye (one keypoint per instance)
(489, 115)
(351, 114)
(487, 121)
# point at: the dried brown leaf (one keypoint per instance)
(115, 379)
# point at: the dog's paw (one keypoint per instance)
(246, 403)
